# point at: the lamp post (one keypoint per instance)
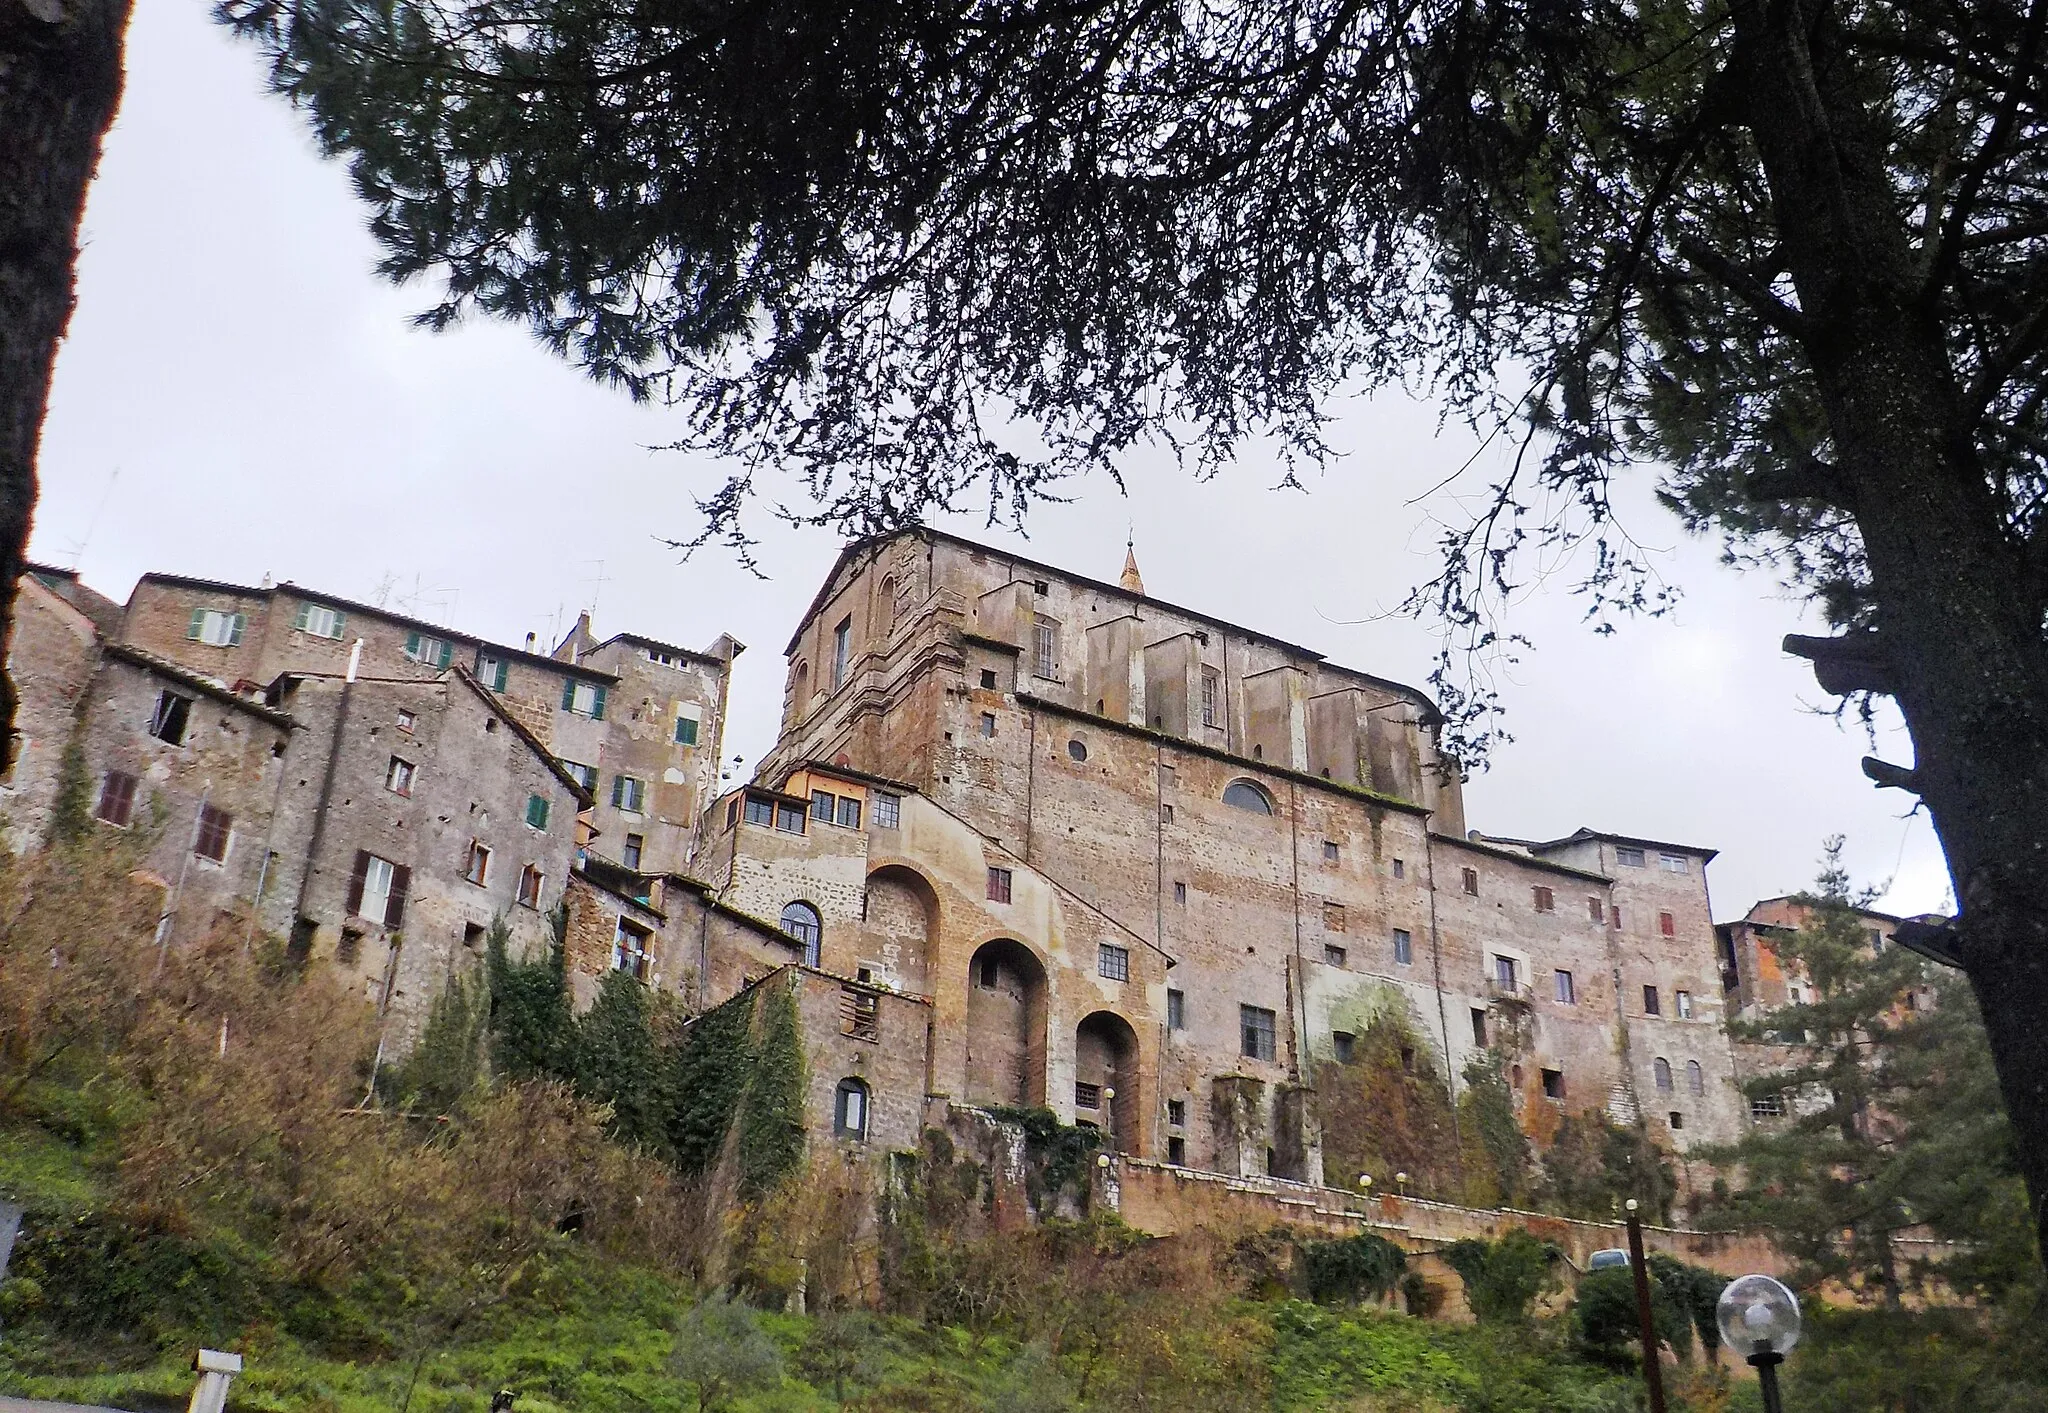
(1401, 1183)
(1646, 1327)
(1760, 1317)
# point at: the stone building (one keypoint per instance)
(1025, 839)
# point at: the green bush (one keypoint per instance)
(1361, 1267)
(1503, 1278)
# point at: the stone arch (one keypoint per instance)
(1106, 1057)
(1005, 1024)
(901, 925)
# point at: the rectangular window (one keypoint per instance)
(1331, 852)
(117, 799)
(686, 731)
(476, 864)
(1180, 894)
(1166, 814)
(1113, 962)
(1212, 692)
(629, 853)
(216, 826)
(999, 885)
(584, 699)
(1629, 858)
(1677, 1120)
(823, 802)
(842, 651)
(530, 880)
(888, 811)
(1595, 909)
(789, 818)
(1400, 868)
(1045, 638)
(1333, 956)
(1667, 925)
(1086, 1095)
(988, 680)
(760, 811)
(1177, 1151)
(1674, 863)
(1479, 1027)
(406, 722)
(427, 650)
(168, 722)
(1176, 1010)
(1546, 901)
(493, 672)
(1343, 1045)
(1404, 947)
(1257, 1037)
(630, 952)
(849, 812)
(1177, 1112)
(1472, 881)
(373, 888)
(1553, 1084)
(320, 620)
(1651, 1005)
(584, 775)
(398, 778)
(1682, 1002)
(1567, 989)
(988, 725)
(1614, 916)
(215, 628)
(1767, 1106)
(628, 793)
(1504, 972)
(1333, 917)
(537, 811)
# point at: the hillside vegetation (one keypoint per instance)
(610, 1212)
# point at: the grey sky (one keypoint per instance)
(268, 410)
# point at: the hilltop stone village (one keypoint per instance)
(1025, 839)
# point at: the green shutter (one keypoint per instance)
(340, 625)
(569, 696)
(447, 655)
(235, 624)
(197, 625)
(412, 645)
(597, 705)
(618, 791)
(304, 614)
(537, 811)
(686, 730)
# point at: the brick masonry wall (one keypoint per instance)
(52, 649)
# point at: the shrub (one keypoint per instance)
(722, 1354)
(1503, 1278)
(1361, 1267)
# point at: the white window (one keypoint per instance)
(1674, 863)
(492, 671)
(424, 648)
(1113, 962)
(584, 699)
(627, 793)
(215, 628)
(888, 811)
(319, 620)
(1045, 641)
(1684, 999)
(1212, 685)
(376, 889)
(407, 721)
(398, 779)
(584, 775)
(630, 950)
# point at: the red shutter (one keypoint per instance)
(394, 906)
(355, 882)
(1667, 925)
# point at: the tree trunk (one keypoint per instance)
(1959, 610)
(60, 80)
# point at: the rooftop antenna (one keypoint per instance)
(78, 546)
(597, 581)
(381, 595)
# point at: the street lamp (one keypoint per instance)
(1365, 1183)
(1759, 1319)
(1401, 1182)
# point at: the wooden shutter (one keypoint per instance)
(236, 622)
(597, 705)
(394, 905)
(569, 696)
(304, 616)
(197, 625)
(447, 654)
(356, 880)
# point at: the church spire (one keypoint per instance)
(1131, 579)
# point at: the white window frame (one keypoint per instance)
(377, 877)
(218, 627)
(321, 621)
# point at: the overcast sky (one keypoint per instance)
(241, 396)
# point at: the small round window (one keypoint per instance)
(1077, 749)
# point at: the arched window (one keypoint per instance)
(800, 920)
(1662, 1069)
(1246, 796)
(1695, 1077)
(850, 1110)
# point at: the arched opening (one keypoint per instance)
(1005, 1025)
(1106, 1058)
(799, 691)
(1695, 1077)
(885, 607)
(1244, 795)
(850, 1110)
(902, 919)
(801, 921)
(1661, 1069)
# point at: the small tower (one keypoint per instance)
(1131, 579)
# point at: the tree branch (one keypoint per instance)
(1843, 666)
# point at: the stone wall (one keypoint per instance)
(52, 649)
